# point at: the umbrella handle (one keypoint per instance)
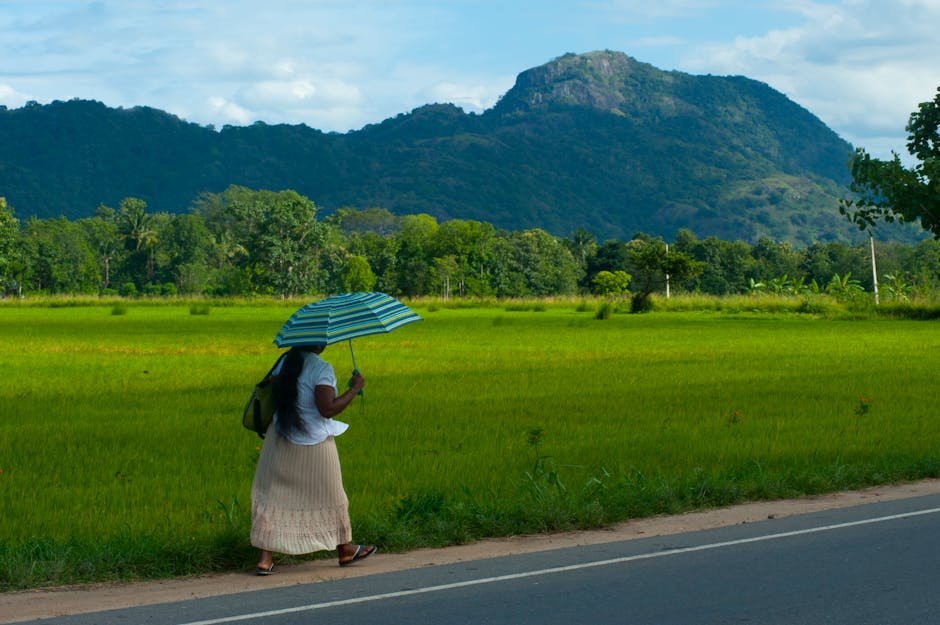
(349, 384)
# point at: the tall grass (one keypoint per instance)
(122, 454)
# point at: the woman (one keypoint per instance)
(298, 504)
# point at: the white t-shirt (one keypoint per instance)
(316, 371)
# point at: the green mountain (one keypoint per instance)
(598, 141)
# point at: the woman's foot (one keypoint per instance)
(350, 553)
(264, 569)
(265, 563)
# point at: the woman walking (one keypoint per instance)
(298, 504)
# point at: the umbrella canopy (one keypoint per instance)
(344, 317)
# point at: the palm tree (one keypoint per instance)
(134, 222)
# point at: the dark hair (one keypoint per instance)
(285, 391)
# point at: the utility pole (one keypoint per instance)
(667, 275)
(874, 270)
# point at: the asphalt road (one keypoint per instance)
(875, 564)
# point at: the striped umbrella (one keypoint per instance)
(343, 318)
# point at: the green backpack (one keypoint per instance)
(259, 411)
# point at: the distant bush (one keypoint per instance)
(533, 306)
(129, 289)
(910, 310)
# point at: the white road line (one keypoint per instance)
(559, 569)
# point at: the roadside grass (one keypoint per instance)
(122, 455)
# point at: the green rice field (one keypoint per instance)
(122, 455)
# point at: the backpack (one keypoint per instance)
(259, 411)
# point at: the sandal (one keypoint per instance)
(264, 571)
(362, 552)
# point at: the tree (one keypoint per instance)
(925, 266)
(136, 227)
(539, 265)
(59, 257)
(726, 265)
(9, 234)
(773, 259)
(187, 246)
(888, 191)
(611, 283)
(134, 223)
(822, 260)
(288, 239)
(357, 275)
(651, 263)
(611, 256)
(443, 272)
(379, 221)
(382, 254)
(101, 232)
(273, 236)
(467, 243)
(582, 244)
(157, 258)
(416, 241)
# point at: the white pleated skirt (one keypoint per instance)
(298, 504)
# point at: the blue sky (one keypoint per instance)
(861, 66)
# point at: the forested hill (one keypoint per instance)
(597, 141)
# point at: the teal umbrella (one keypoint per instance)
(343, 318)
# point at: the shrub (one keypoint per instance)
(152, 290)
(910, 310)
(128, 289)
(640, 303)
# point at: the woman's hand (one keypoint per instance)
(357, 382)
(329, 404)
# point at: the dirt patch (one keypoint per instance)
(34, 604)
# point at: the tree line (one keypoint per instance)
(245, 242)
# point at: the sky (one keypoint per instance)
(861, 66)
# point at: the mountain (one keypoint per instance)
(598, 141)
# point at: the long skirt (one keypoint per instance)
(298, 504)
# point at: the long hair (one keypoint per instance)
(285, 391)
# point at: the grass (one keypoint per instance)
(122, 432)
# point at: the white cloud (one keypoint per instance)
(862, 66)
(229, 112)
(11, 97)
(285, 97)
(471, 98)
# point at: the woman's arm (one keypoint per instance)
(329, 404)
